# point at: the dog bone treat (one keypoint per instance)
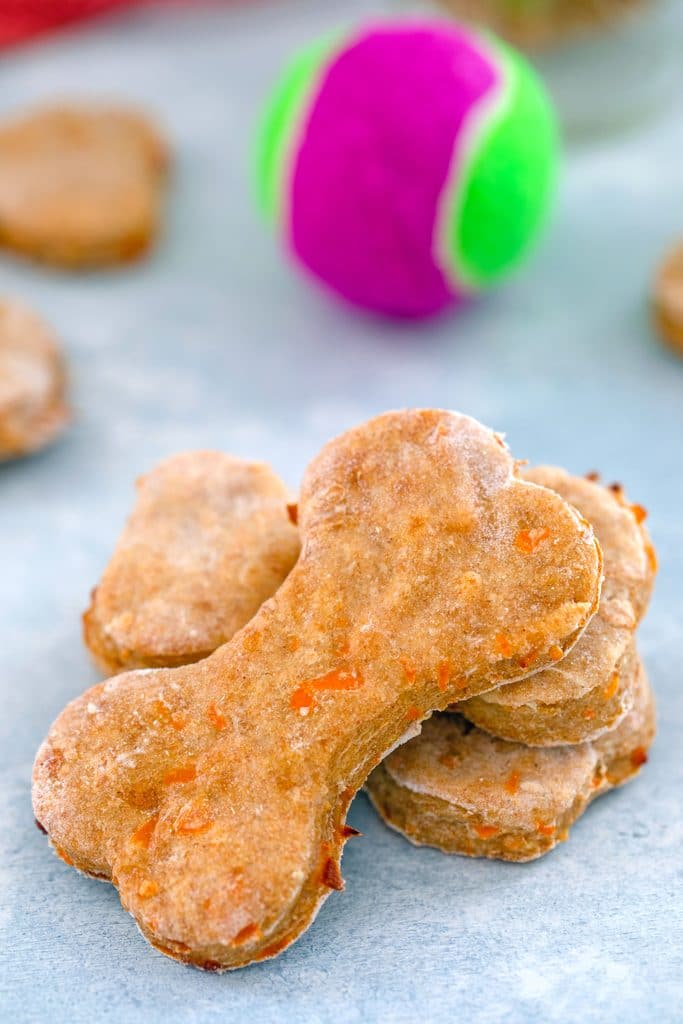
(33, 408)
(214, 795)
(589, 691)
(80, 186)
(209, 540)
(667, 302)
(578, 699)
(459, 789)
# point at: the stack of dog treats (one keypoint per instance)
(422, 571)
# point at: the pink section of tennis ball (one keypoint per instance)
(383, 131)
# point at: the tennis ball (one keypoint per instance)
(407, 164)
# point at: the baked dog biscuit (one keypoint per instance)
(33, 407)
(589, 691)
(459, 789)
(209, 540)
(667, 300)
(214, 795)
(80, 186)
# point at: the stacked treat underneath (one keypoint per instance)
(508, 774)
(453, 632)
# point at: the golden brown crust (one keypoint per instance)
(214, 795)
(667, 300)
(80, 186)
(33, 409)
(539, 25)
(459, 789)
(209, 540)
(588, 692)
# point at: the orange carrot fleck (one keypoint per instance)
(512, 783)
(639, 513)
(64, 856)
(486, 831)
(293, 643)
(408, 670)
(612, 686)
(528, 541)
(293, 513)
(544, 829)
(529, 659)
(444, 675)
(651, 557)
(143, 835)
(302, 700)
(147, 888)
(556, 653)
(638, 757)
(274, 948)
(337, 679)
(502, 645)
(163, 713)
(589, 713)
(250, 931)
(187, 773)
(413, 714)
(217, 720)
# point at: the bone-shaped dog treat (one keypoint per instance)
(589, 691)
(80, 186)
(210, 539)
(459, 789)
(33, 407)
(191, 569)
(214, 795)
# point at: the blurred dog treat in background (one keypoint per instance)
(667, 300)
(538, 23)
(607, 63)
(33, 409)
(80, 186)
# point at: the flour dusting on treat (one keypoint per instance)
(589, 691)
(210, 539)
(80, 186)
(33, 409)
(459, 789)
(214, 795)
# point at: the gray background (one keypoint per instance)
(216, 343)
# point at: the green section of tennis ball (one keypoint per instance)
(498, 210)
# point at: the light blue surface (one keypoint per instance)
(215, 343)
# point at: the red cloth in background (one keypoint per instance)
(20, 20)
